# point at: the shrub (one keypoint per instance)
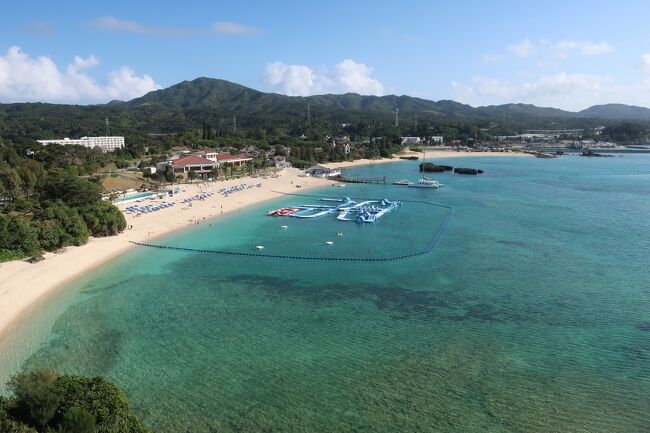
(43, 401)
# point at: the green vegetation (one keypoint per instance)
(625, 132)
(43, 401)
(46, 207)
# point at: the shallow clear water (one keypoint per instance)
(531, 314)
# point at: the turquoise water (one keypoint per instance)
(531, 314)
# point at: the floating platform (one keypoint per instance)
(367, 211)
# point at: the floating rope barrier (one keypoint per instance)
(427, 249)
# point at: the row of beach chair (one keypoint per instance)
(148, 208)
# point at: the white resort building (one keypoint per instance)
(106, 144)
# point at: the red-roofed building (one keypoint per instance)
(203, 162)
(201, 166)
(237, 160)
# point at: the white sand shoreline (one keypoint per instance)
(23, 284)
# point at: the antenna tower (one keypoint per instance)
(108, 129)
(396, 117)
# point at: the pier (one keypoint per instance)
(341, 178)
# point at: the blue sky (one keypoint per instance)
(554, 53)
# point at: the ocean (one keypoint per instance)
(531, 313)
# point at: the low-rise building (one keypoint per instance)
(203, 163)
(207, 154)
(236, 160)
(411, 140)
(201, 166)
(106, 144)
(280, 161)
(321, 171)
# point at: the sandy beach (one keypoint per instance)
(22, 283)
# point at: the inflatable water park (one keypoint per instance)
(367, 211)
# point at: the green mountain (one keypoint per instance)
(617, 111)
(215, 102)
(213, 93)
(209, 93)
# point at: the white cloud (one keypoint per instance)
(521, 49)
(24, 79)
(563, 49)
(560, 90)
(560, 50)
(292, 80)
(490, 58)
(112, 24)
(356, 77)
(302, 80)
(231, 28)
(80, 63)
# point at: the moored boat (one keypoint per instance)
(425, 183)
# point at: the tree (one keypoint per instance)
(10, 182)
(36, 397)
(103, 219)
(17, 235)
(191, 175)
(73, 190)
(43, 401)
(78, 420)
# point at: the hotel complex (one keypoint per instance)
(106, 144)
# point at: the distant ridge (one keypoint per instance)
(214, 93)
(617, 111)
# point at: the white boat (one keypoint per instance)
(425, 183)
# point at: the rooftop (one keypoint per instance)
(191, 160)
(224, 157)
